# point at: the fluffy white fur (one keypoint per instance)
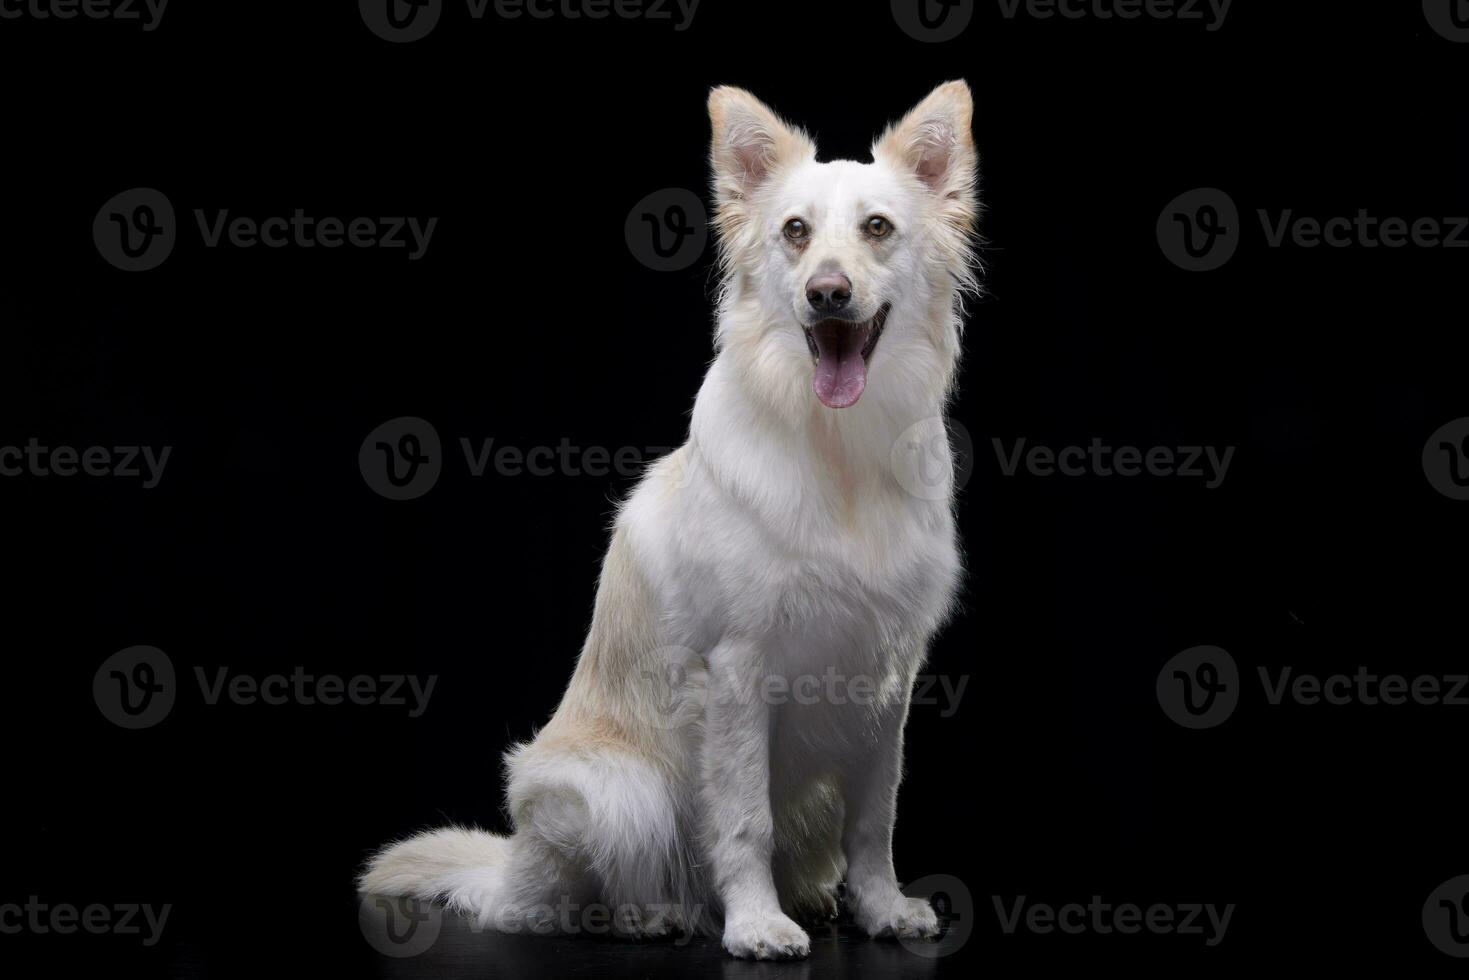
(778, 542)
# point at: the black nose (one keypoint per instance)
(828, 293)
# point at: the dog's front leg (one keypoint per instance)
(871, 797)
(736, 791)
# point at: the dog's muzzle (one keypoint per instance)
(841, 349)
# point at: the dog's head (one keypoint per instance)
(835, 273)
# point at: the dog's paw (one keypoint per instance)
(816, 909)
(905, 918)
(654, 922)
(765, 937)
(657, 928)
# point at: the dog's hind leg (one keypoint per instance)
(807, 862)
(611, 817)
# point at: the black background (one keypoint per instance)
(530, 321)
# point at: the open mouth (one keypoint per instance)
(841, 349)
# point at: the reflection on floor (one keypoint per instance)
(423, 942)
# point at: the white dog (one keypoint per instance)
(689, 776)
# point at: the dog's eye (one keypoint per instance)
(878, 226)
(795, 230)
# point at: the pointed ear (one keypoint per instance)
(750, 143)
(935, 142)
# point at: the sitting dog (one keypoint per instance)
(682, 779)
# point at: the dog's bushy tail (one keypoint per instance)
(467, 869)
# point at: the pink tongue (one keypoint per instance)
(841, 373)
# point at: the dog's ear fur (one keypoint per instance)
(749, 144)
(935, 143)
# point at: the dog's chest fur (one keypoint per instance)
(823, 571)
